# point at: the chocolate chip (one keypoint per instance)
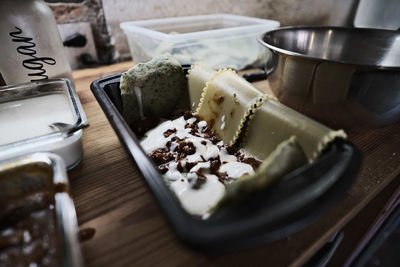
(86, 234)
(160, 156)
(169, 132)
(214, 165)
(187, 115)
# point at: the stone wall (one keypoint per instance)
(91, 11)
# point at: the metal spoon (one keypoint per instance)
(67, 128)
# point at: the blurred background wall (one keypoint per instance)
(99, 20)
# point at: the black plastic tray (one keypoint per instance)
(282, 209)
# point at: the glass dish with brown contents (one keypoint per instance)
(38, 224)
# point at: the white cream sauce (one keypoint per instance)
(27, 118)
(223, 122)
(197, 201)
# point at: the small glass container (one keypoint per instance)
(26, 112)
(34, 194)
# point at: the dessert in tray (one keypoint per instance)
(232, 140)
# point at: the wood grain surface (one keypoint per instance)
(111, 197)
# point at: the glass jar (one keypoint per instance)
(31, 46)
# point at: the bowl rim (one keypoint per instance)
(274, 48)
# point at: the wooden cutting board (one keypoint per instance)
(111, 197)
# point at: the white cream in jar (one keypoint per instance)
(31, 117)
(26, 112)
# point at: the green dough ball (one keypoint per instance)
(159, 84)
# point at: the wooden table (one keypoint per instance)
(111, 197)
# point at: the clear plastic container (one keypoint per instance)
(218, 40)
(26, 112)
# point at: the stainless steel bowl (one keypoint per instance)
(344, 77)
